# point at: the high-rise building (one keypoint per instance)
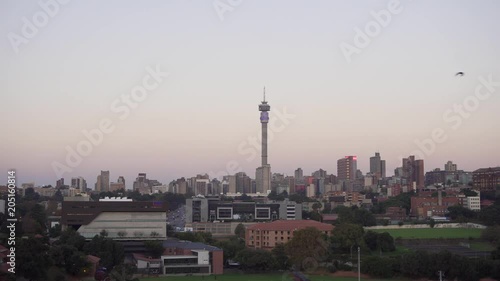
(231, 184)
(243, 183)
(141, 183)
(377, 166)
(263, 173)
(79, 183)
(319, 174)
(413, 171)
(102, 183)
(121, 179)
(450, 167)
(299, 174)
(60, 182)
(347, 168)
(98, 184)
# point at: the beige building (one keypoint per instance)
(268, 235)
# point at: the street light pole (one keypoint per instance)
(359, 265)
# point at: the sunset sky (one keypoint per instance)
(394, 92)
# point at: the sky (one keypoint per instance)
(342, 78)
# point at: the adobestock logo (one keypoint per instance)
(223, 6)
(455, 116)
(121, 107)
(363, 37)
(39, 20)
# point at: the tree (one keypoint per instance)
(32, 259)
(377, 266)
(124, 272)
(155, 248)
(280, 257)
(355, 215)
(469, 192)
(491, 234)
(110, 252)
(461, 213)
(259, 260)
(381, 241)
(231, 247)
(30, 194)
(385, 242)
(490, 215)
(370, 238)
(346, 236)
(316, 206)
(39, 215)
(55, 231)
(277, 197)
(307, 244)
(71, 237)
(432, 223)
(240, 230)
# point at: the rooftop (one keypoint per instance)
(173, 243)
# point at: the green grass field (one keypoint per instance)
(430, 233)
(249, 277)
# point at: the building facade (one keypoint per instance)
(347, 168)
(268, 235)
(121, 219)
(486, 179)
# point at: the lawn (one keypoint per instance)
(249, 277)
(482, 246)
(430, 233)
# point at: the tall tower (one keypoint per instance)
(263, 173)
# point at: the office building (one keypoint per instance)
(347, 168)
(377, 166)
(102, 184)
(79, 183)
(206, 209)
(413, 172)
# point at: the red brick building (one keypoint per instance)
(424, 207)
(268, 235)
(486, 179)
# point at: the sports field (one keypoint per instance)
(430, 233)
(249, 277)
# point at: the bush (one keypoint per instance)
(377, 267)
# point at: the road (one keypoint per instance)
(177, 218)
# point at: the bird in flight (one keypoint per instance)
(459, 74)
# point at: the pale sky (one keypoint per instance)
(65, 76)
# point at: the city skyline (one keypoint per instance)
(208, 73)
(130, 180)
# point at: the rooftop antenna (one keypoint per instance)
(264, 93)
